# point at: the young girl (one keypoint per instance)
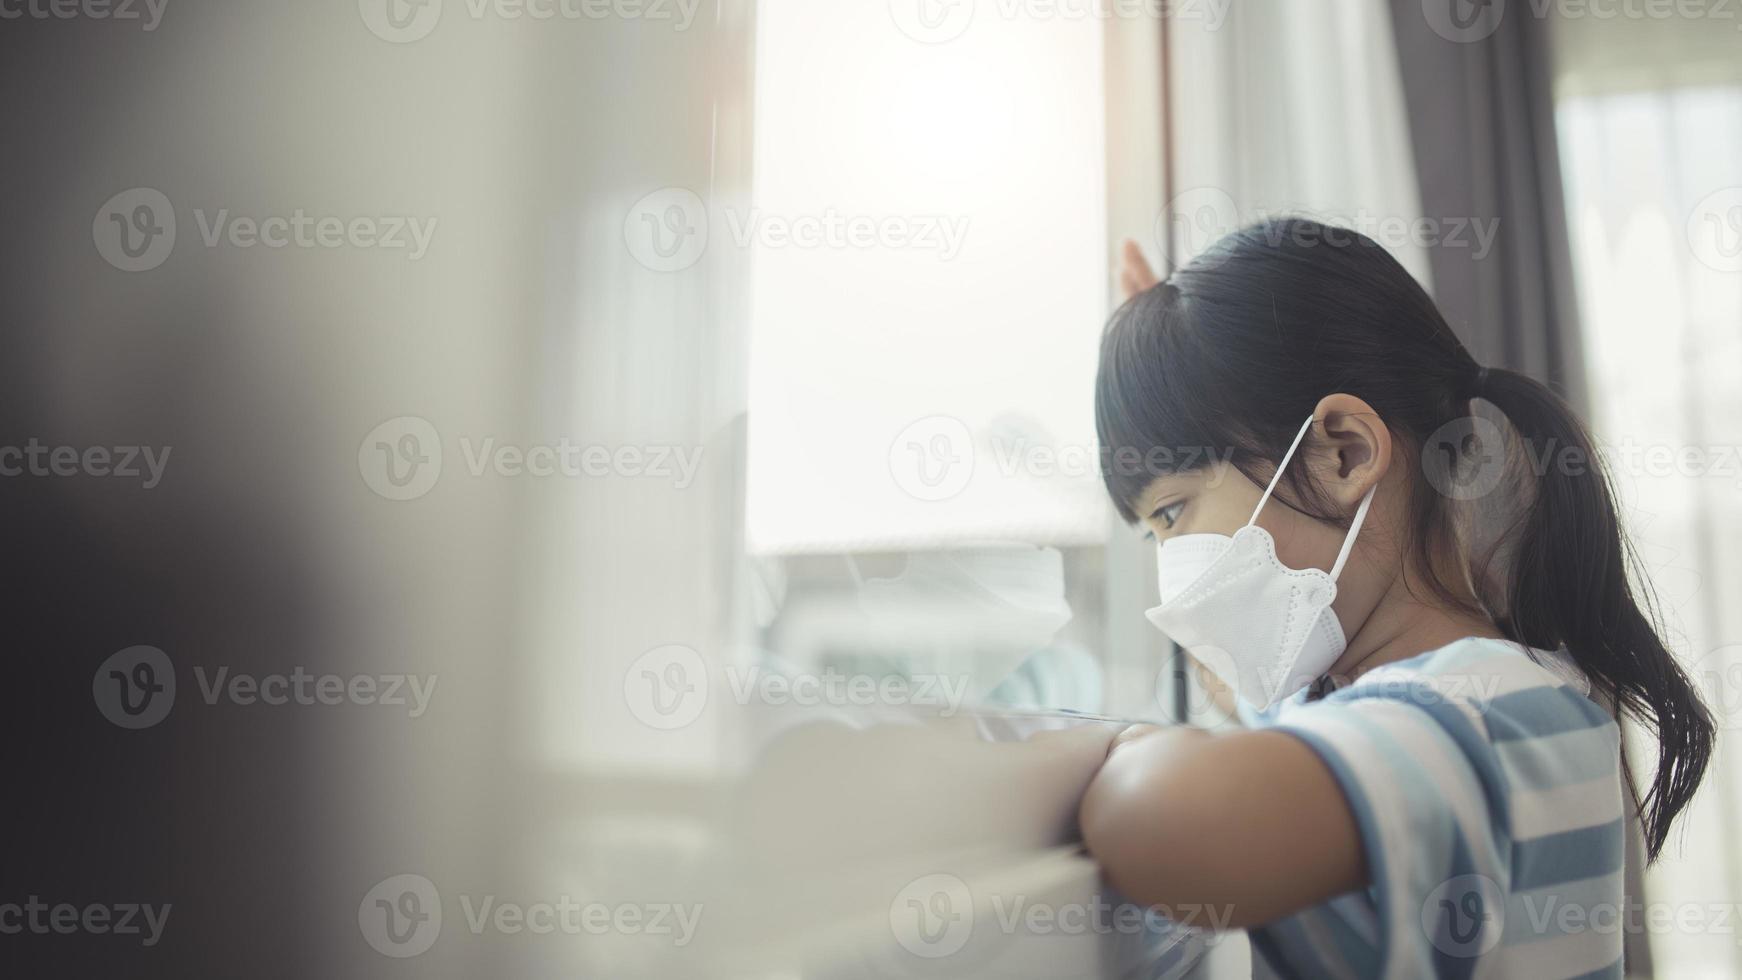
(1431, 782)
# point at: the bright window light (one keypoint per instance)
(930, 280)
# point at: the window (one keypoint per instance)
(1649, 145)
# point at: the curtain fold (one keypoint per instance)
(1481, 116)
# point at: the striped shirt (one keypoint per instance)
(1487, 789)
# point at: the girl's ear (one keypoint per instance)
(1356, 447)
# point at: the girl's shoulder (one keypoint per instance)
(1505, 691)
(1484, 667)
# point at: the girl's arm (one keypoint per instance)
(1251, 825)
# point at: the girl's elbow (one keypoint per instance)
(1133, 826)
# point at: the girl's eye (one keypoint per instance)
(1170, 513)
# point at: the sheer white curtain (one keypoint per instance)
(1292, 108)
(1656, 212)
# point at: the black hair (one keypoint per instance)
(1228, 357)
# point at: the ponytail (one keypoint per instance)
(1567, 585)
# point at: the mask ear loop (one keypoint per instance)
(1298, 436)
(1354, 529)
(1354, 525)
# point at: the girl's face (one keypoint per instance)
(1219, 500)
(1347, 453)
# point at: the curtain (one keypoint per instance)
(1482, 130)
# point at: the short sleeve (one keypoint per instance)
(1429, 826)
(1481, 799)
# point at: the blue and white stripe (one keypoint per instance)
(1486, 785)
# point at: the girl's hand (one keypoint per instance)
(1135, 275)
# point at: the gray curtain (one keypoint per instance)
(1477, 80)
(1484, 139)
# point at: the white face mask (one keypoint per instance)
(1264, 629)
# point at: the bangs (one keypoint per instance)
(1157, 410)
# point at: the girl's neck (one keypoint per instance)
(1403, 625)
